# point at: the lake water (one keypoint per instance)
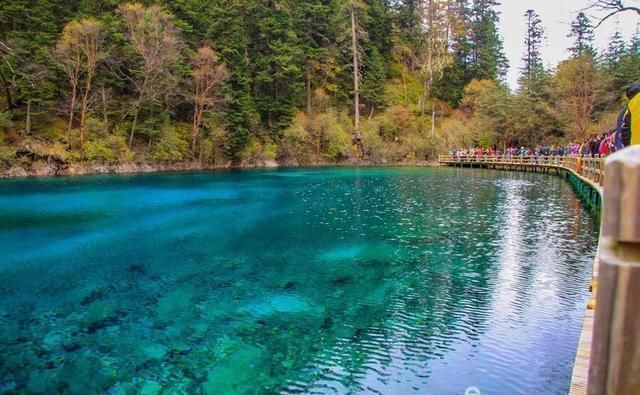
(346, 280)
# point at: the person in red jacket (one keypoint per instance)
(604, 146)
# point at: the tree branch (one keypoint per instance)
(614, 7)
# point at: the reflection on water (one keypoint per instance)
(298, 281)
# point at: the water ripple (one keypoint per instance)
(334, 281)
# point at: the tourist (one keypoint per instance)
(628, 125)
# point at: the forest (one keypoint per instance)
(214, 83)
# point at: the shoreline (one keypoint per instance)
(47, 170)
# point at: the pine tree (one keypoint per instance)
(273, 49)
(408, 20)
(378, 23)
(316, 40)
(458, 73)
(582, 33)
(489, 61)
(623, 61)
(532, 41)
(634, 46)
(374, 81)
(615, 51)
(229, 20)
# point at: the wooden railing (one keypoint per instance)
(590, 168)
(615, 350)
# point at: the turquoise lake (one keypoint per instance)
(337, 280)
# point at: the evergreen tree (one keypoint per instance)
(229, 19)
(374, 81)
(532, 72)
(634, 46)
(488, 59)
(623, 61)
(582, 33)
(379, 26)
(276, 73)
(316, 39)
(408, 20)
(458, 73)
(615, 51)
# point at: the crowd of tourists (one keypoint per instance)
(625, 133)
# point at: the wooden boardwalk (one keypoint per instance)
(591, 172)
(580, 376)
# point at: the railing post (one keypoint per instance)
(615, 350)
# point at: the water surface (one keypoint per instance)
(348, 280)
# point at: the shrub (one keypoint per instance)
(110, 150)
(258, 153)
(295, 142)
(375, 149)
(99, 151)
(6, 120)
(454, 132)
(334, 136)
(96, 128)
(414, 146)
(173, 145)
(7, 155)
(339, 144)
(212, 145)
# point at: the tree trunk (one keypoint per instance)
(404, 84)
(195, 132)
(356, 79)
(83, 111)
(433, 120)
(7, 90)
(133, 125)
(71, 107)
(105, 119)
(308, 89)
(28, 123)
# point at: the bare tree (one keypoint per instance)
(154, 37)
(208, 76)
(612, 7)
(355, 52)
(5, 52)
(434, 57)
(91, 40)
(578, 90)
(68, 56)
(77, 53)
(356, 70)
